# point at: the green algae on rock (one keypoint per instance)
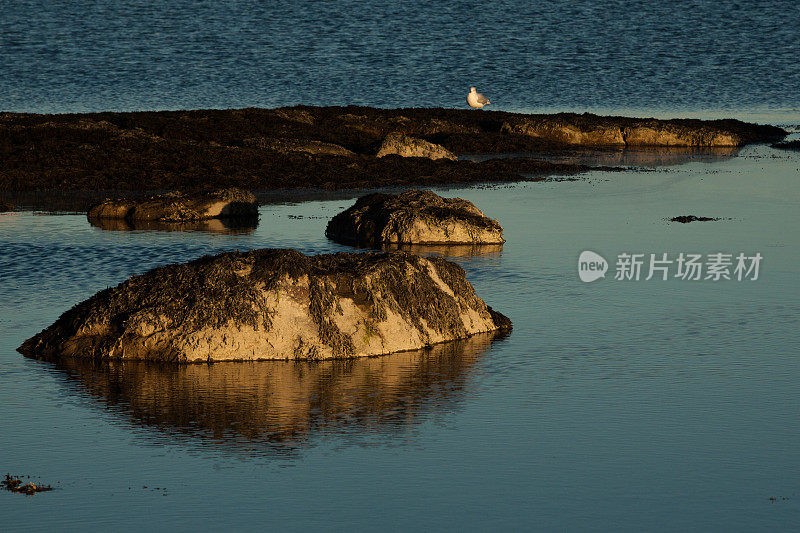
(273, 304)
(413, 217)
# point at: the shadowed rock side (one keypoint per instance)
(277, 404)
(179, 207)
(312, 147)
(413, 217)
(273, 304)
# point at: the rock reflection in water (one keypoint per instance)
(448, 250)
(651, 156)
(276, 406)
(638, 156)
(227, 226)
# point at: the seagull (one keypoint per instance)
(476, 99)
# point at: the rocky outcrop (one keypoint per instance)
(317, 147)
(413, 217)
(407, 146)
(273, 304)
(594, 130)
(179, 207)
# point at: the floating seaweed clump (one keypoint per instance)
(15, 484)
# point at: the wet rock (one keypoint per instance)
(179, 207)
(594, 130)
(685, 219)
(413, 217)
(407, 146)
(291, 148)
(788, 145)
(273, 304)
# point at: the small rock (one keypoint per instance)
(413, 217)
(407, 146)
(685, 219)
(180, 207)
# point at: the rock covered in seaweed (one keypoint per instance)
(594, 130)
(413, 217)
(179, 206)
(273, 304)
(406, 146)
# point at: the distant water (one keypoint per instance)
(700, 58)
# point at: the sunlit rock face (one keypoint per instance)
(179, 207)
(273, 304)
(407, 146)
(594, 130)
(413, 217)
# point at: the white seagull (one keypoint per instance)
(476, 100)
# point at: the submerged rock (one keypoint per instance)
(594, 130)
(788, 145)
(407, 146)
(413, 217)
(180, 207)
(273, 304)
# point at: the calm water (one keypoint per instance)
(690, 57)
(639, 405)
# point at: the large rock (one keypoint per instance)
(594, 130)
(407, 146)
(413, 217)
(180, 207)
(273, 304)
